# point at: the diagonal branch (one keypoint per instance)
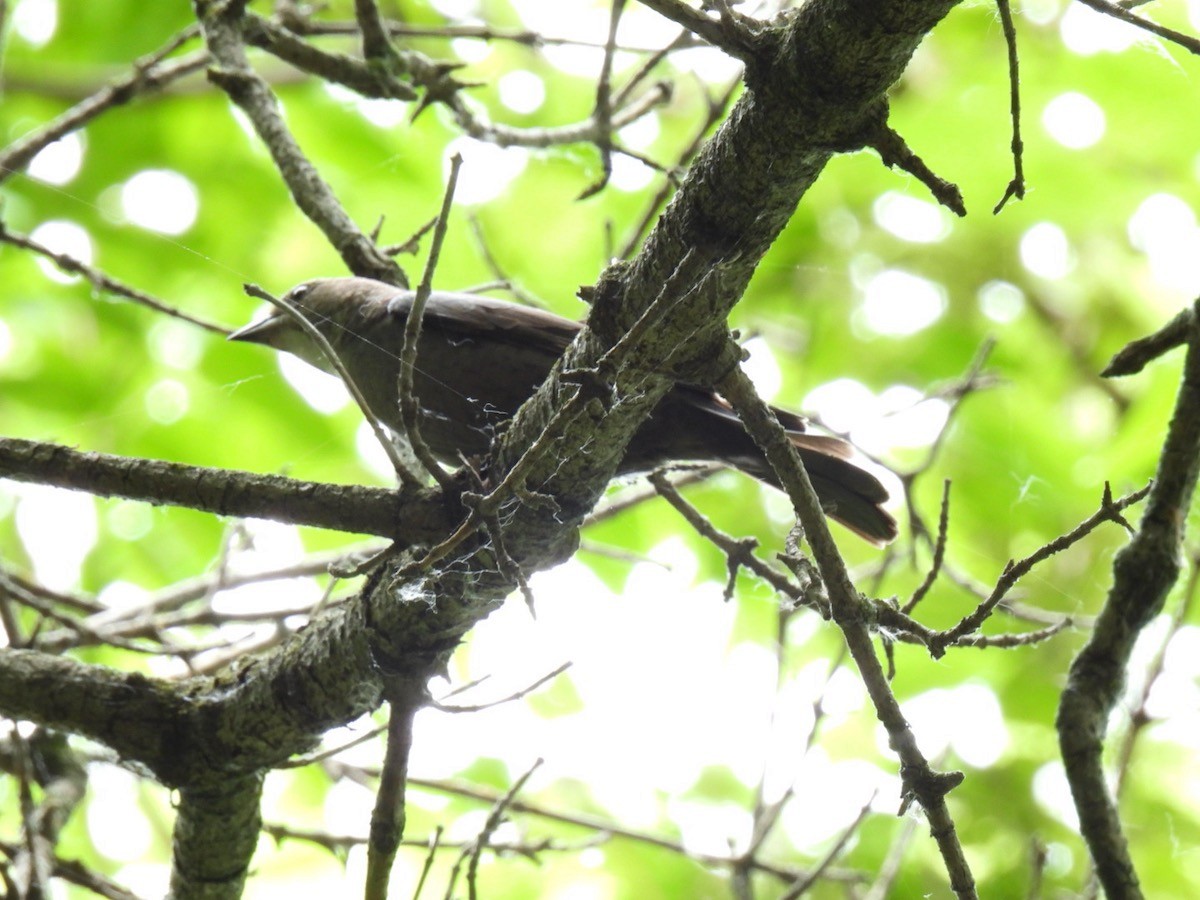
(817, 79)
(851, 614)
(221, 22)
(726, 32)
(150, 73)
(1143, 573)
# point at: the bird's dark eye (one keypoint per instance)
(297, 293)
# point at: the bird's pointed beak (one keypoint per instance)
(262, 331)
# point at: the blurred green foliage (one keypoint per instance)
(1028, 457)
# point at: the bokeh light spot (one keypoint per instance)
(66, 238)
(1075, 120)
(1045, 251)
(59, 162)
(898, 304)
(160, 200)
(911, 218)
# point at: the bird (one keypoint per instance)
(478, 359)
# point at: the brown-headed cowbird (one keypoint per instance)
(479, 359)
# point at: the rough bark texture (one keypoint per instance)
(816, 83)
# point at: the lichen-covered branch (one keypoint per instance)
(351, 508)
(1143, 573)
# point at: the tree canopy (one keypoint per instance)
(553, 686)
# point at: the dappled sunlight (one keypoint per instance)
(1087, 32)
(831, 793)
(1164, 228)
(898, 304)
(266, 545)
(900, 417)
(1001, 301)
(160, 200)
(965, 720)
(118, 829)
(35, 21)
(711, 828)
(175, 344)
(324, 392)
(521, 91)
(762, 368)
(59, 162)
(1075, 120)
(58, 529)
(62, 236)
(167, 401)
(1046, 251)
(487, 169)
(911, 218)
(1053, 794)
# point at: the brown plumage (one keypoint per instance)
(479, 359)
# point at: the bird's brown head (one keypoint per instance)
(336, 306)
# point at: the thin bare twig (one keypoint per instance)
(405, 698)
(150, 73)
(314, 334)
(602, 113)
(939, 552)
(1109, 511)
(849, 611)
(517, 695)
(435, 840)
(798, 889)
(100, 281)
(495, 817)
(409, 407)
(724, 32)
(740, 553)
(1135, 355)
(1123, 14)
(1016, 187)
(895, 152)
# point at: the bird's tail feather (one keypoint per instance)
(848, 493)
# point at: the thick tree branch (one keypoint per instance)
(1143, 573)
(408, 519)
(216, 831)
(816, 82)
(728, 34)
(816, 85)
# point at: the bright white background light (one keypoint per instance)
(911, 218)
(521, 91)
(1088, 32)
(1046, 252)
(160, 200)
(35, 21)
(57, 529)
(487, 170)
(898, 304)
(1164, 228)
(59, 162)
(63, 237)
(1075, 120)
